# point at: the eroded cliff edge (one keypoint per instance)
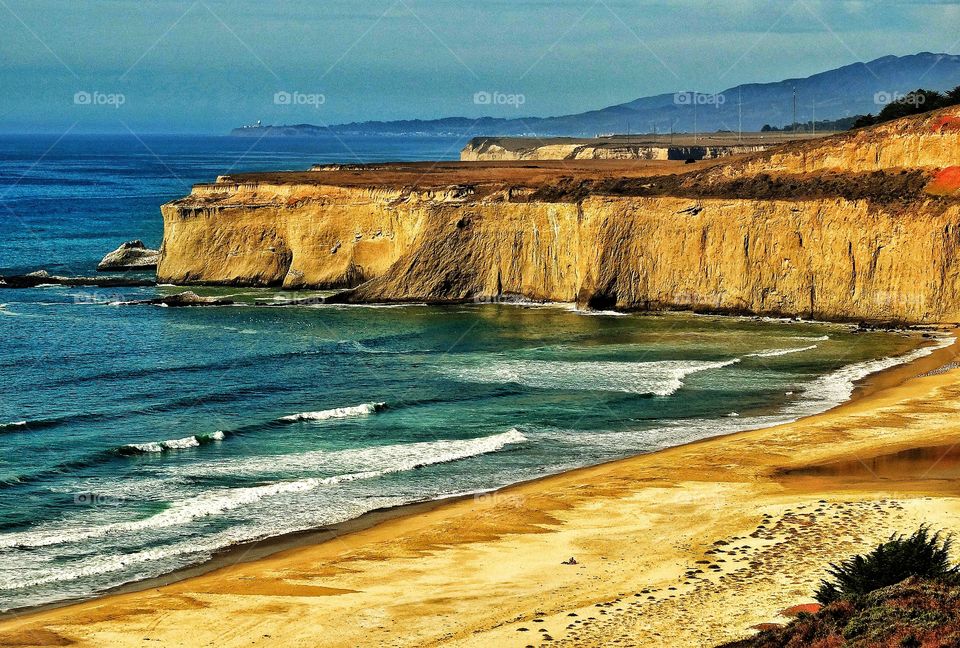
(860, 226)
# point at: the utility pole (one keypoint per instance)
(696, 129)
(739, 114)
(794, 127)
(814, 116)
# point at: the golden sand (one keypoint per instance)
(691, 546)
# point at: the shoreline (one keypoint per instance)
(254, 552)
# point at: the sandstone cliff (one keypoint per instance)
(836, 229)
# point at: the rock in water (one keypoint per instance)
(42, 278)
(132, 255)
(183, 299)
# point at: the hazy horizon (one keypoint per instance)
(205, 66)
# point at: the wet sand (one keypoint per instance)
(691, 546)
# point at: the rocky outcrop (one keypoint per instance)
(44, 278)
(181, 300)
(845, 246)
(132, 255)
(515, 149)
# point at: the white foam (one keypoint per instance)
(819, 396)
(773, 353)
(181, 444)
(145, 447)
(175, 444)
(394, 459)
(835, 388)
(601, 313)
(14, 424)
(658, 378)
(107, 564)
(340, 412)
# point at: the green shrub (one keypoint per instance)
(921, 554)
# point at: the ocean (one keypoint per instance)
(137, 440)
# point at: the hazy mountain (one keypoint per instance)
(855, 89)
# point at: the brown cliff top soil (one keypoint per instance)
(436, 175)
(572, 181)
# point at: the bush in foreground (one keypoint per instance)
(916, 613)
(903, 594)
(921, 554)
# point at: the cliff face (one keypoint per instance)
(832, 259)
(288, 235)
(826, 257)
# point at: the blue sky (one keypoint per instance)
(208, 65)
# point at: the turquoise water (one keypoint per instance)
(136, 439)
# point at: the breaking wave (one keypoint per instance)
(171, 444)
(394, 459)
(773, 353)
(337, 413)
(835, 388)
(658, 378)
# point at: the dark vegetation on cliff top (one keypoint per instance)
(913, 103)
(904, 593)
(877, 186)
(916, 102)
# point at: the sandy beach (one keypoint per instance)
(691, 546)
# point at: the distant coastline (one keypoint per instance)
(832, 99)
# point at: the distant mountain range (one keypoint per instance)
(856, 89)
